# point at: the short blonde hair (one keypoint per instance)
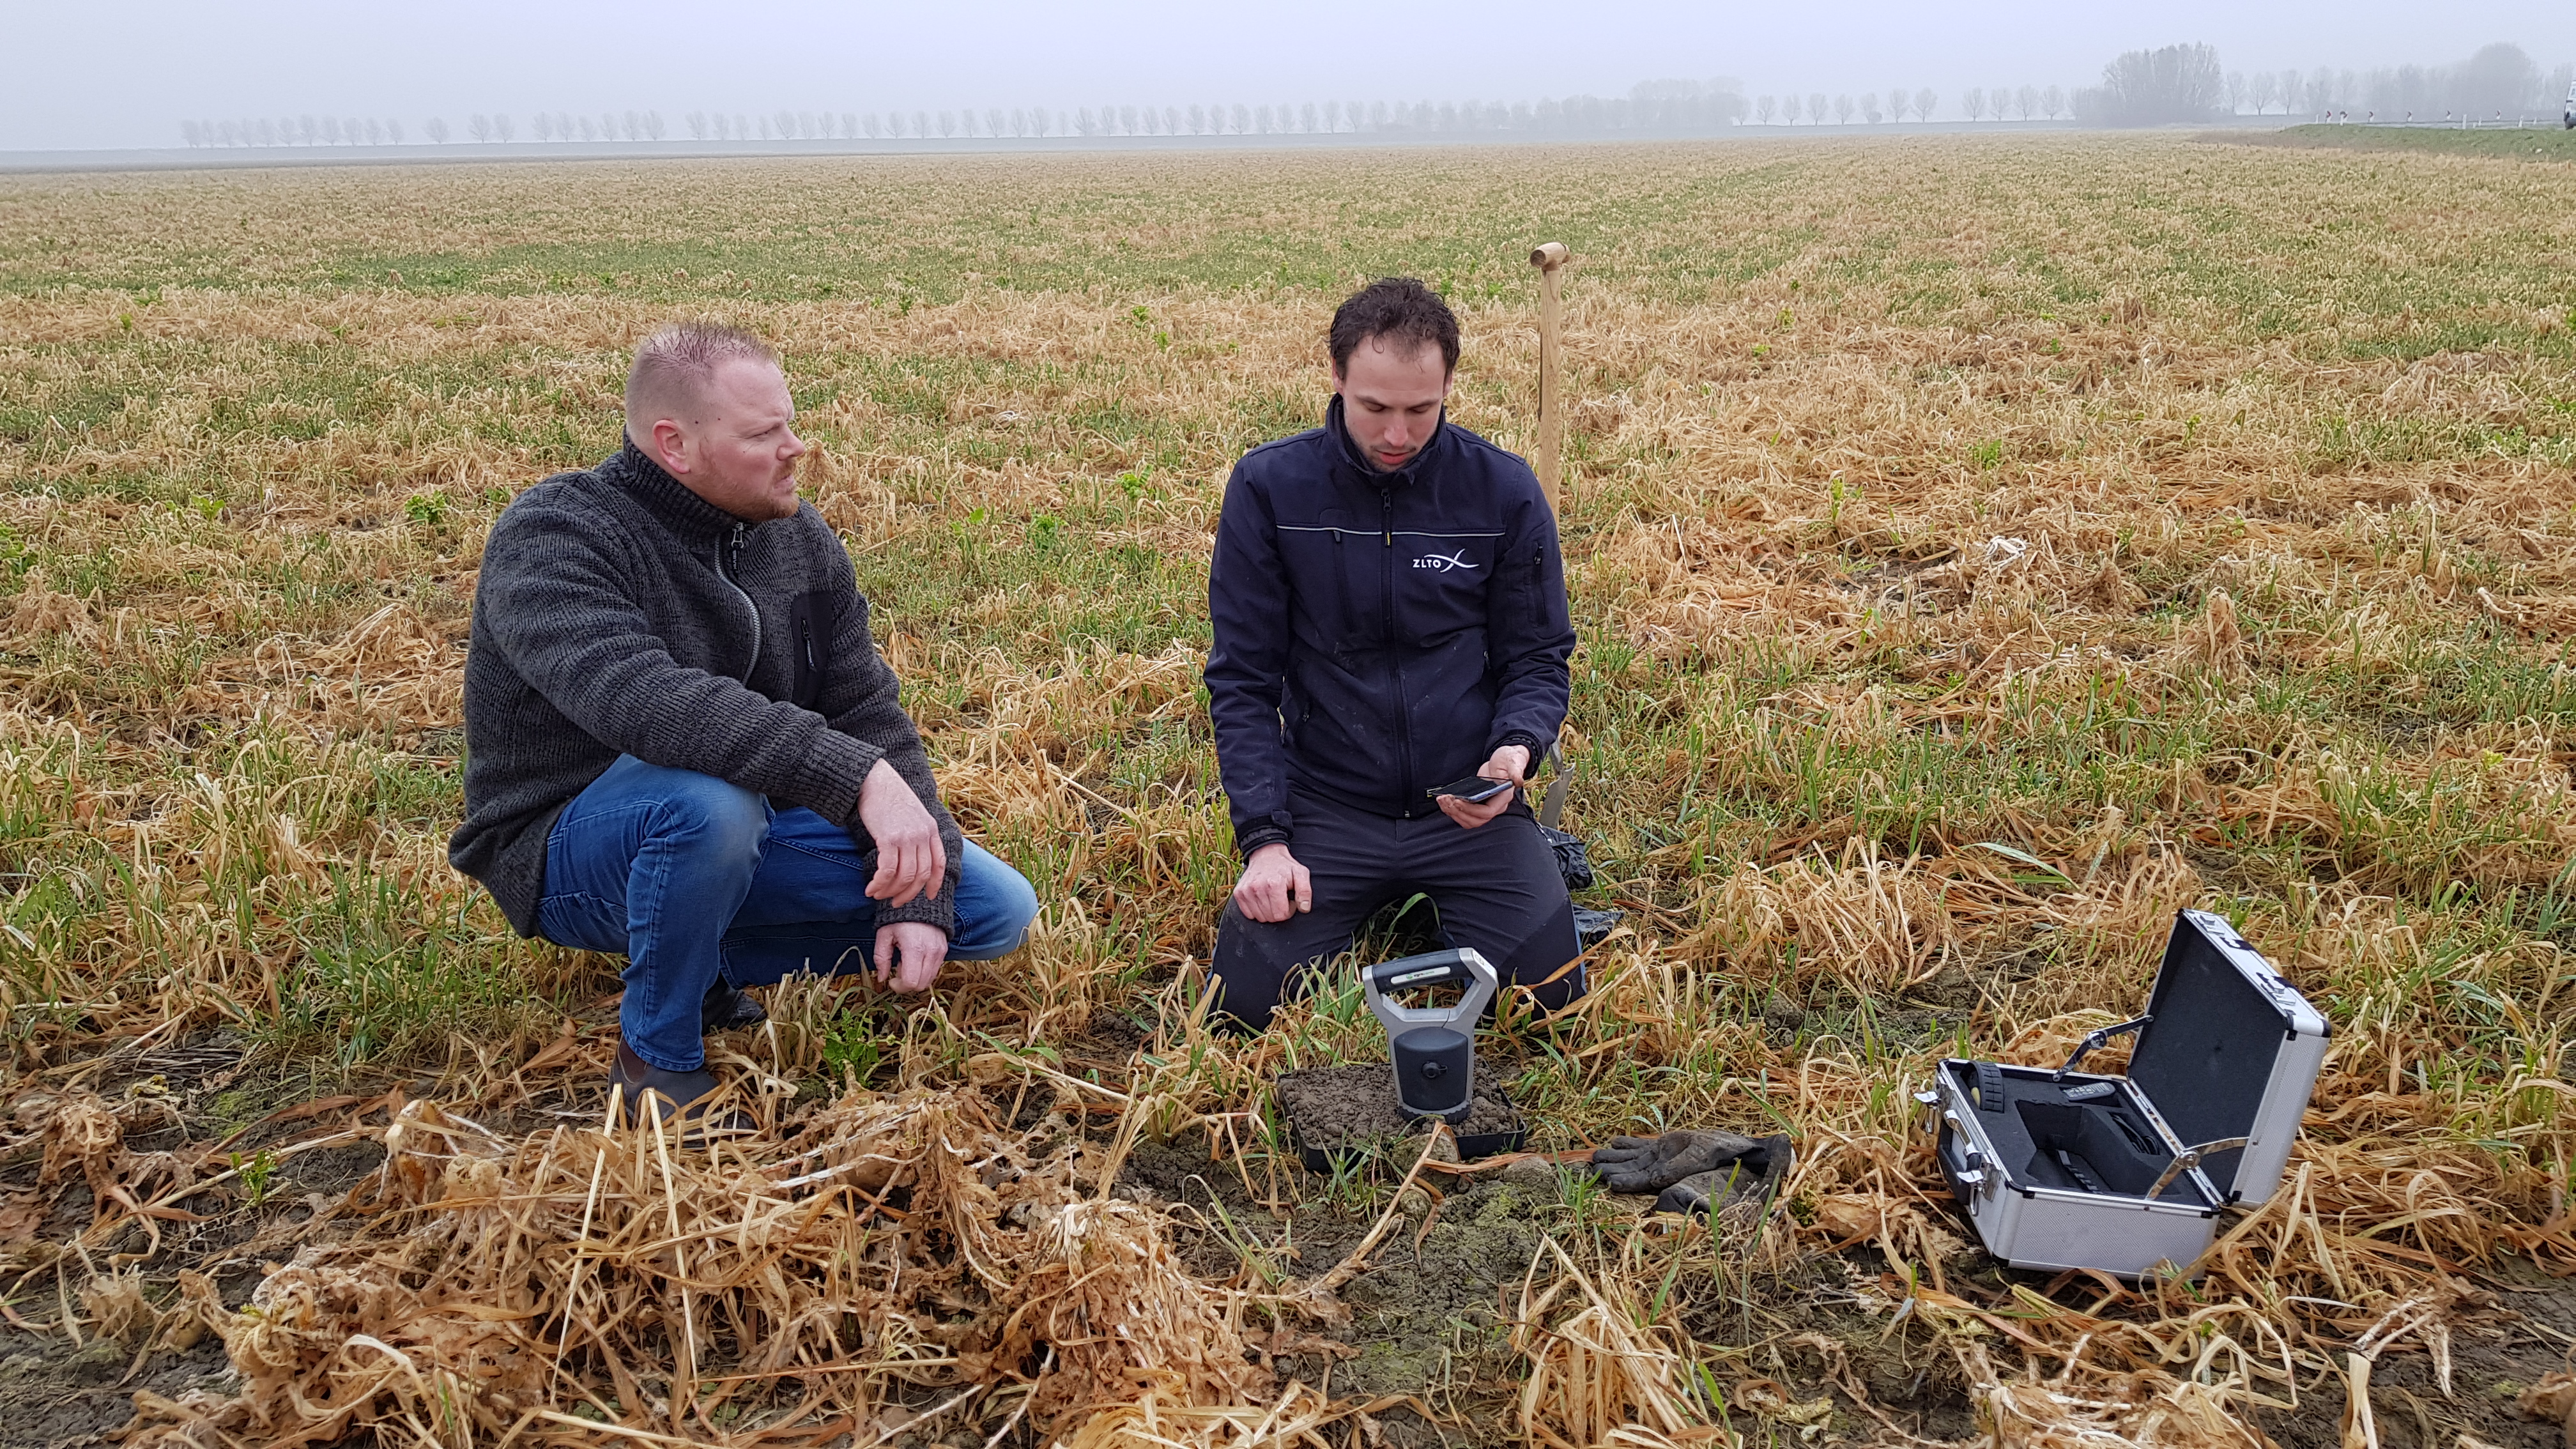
(673, 366)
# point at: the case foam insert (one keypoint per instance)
(2104, 1136)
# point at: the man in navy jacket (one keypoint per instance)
(1390, 619)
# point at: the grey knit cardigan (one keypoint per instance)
(618, 613)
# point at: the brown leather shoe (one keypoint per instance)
(685, 1098)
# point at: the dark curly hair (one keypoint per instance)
(1400, 309)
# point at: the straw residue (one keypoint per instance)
(892, 1244)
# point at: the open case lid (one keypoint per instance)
(2222, 1019)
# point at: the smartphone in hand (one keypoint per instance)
(1475, 789)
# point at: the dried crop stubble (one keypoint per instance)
(2193, 521)
(498, 1280)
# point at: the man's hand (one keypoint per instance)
(911, 858)
(1511, 762)
(1274, 886)
(921, 947)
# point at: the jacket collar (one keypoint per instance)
(1378, 477)
(670, 500)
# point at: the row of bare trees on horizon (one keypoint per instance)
(2177, 83)
(1976, 103)
(1682, 115)
(1676, 113)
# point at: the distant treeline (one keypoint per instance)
(1671, 108)
(1976, 103)
(2180, 83)
(2500, 82)
(304, 131)
(2184, 83)
(1683, 114)
(1661, 107)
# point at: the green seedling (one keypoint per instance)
(853, 1049)
(256, 1174)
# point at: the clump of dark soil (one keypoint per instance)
(1428, 1312)
(1802, 1325)
(56, 1395)
(1431, 1310)
(1333, 1108)
(2524, 1332)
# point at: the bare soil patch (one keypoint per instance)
(1355, 1106)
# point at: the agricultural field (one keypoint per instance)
(2552, 143)
(1981, 547)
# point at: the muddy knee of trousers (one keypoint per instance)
(1556, 994)
(1241, 974)
(1255, 965)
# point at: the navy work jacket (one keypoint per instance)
(1379, 634)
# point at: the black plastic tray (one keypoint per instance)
(1471, 1145)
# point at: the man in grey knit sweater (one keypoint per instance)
(681, 743)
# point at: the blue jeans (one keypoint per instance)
(690, 878)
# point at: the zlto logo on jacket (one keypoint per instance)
(1444, 562)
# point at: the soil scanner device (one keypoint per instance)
(1433, 1047)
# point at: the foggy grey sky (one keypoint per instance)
(102, 73)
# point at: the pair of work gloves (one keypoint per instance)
(1691, 1171)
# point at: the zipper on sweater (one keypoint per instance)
(733, 545)
(1395, 656)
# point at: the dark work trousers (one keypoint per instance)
(1496, 888)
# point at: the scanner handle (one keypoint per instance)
(1464, 966)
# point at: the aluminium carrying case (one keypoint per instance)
(2127, 1174)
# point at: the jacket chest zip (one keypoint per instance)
(729, 569)
(1395, 653)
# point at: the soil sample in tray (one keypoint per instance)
(1336, 1110)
